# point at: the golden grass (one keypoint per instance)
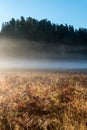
(43, 101)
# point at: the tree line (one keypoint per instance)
(44, 30)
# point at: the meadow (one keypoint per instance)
(43, 101)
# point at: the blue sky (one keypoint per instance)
(72, 12)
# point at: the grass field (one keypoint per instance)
(43, 101)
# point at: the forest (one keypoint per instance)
(42, 39)
(44, 30)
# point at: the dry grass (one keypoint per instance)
(43, 101)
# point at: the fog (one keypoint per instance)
(38, 55)
(42, 64)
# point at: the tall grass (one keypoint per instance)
(43, 101)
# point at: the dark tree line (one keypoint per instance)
(44, 30)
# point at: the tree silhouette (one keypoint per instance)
(44, 30)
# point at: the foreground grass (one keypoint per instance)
(43, 101)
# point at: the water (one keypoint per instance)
(42, 64)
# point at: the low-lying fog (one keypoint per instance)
(38, 55)
(43, 64)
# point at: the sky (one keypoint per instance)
(71, 12)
